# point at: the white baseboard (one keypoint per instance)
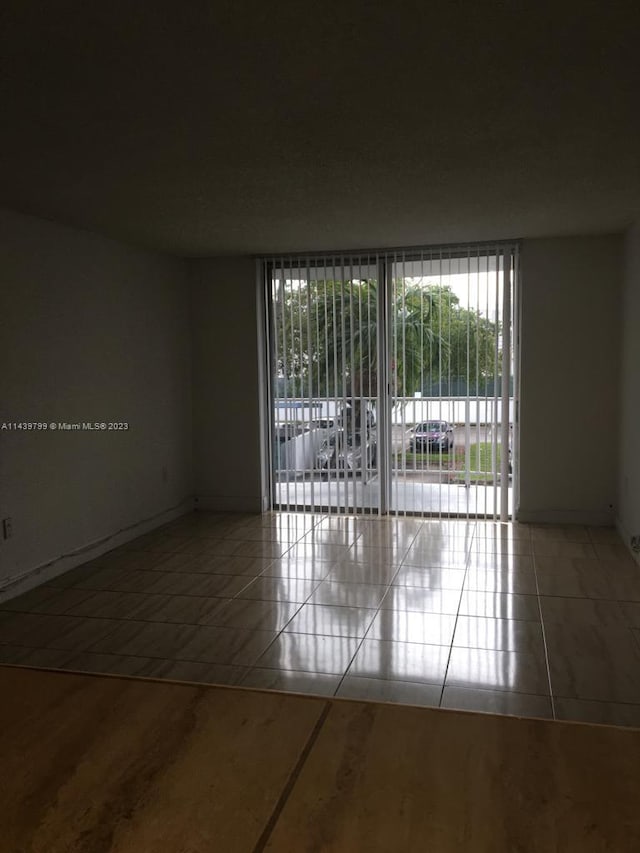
(230, 503)
(561, 516)
(58, 566)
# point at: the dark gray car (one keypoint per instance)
(432, 435)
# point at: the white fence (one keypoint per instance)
(408, 411)
(456, 410)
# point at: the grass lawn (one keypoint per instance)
(426, 460)
(479, 460)
(480, 457)
(479, 463)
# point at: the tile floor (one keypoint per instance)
(539, 621)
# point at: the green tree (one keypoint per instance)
(466, 359)
(326, 336)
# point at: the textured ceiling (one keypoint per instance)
(206, 128)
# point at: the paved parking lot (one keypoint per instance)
(401, 436)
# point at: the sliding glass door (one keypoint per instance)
(452, 379)
(324, 372)
(394, 381)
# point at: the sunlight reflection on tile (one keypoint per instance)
(297, 567)
(502, 634)
(422, 600)
(501, 605)
(309, 653)
(435, 557)
(501, 562)
(331, 621)
(349, 594)
(400, 661)
(502, 531)
(432, 577)
(498, 670)
(390, 597)
(487, 580)
(407, 626)
(279, 589)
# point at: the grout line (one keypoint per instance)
(455, 624)
(154, 621)
(280, 632)
(544, 642)
(291, 781)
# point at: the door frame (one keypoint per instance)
(384, 260)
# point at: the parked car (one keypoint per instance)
(346, 451)
(431, 435)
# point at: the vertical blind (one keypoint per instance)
(394, 381)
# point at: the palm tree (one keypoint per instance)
(326, 334)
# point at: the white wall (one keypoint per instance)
(629, 479)
(226, 384)
(90, 330)
(571, 290)
(569, 394)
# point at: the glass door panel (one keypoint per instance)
(324, 356)
(451, 320)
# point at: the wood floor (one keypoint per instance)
(103, 763)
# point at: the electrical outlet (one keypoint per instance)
(7, 528)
